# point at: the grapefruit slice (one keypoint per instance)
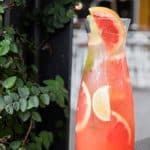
(121, 121)
(101, 103)
(83, 108)
(111, 28)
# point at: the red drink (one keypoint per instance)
(104, 118)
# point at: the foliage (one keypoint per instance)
(55, 15)
(58, 13)
(20, 94)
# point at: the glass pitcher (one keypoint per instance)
(104, 113)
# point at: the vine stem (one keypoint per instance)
(28, 133)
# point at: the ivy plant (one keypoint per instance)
(21, 96)
(57, 14)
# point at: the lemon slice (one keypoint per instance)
(101, 103)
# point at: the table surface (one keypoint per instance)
(142, 112)
(143, 144)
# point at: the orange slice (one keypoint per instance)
(120, 134)
(83, 108)
(111, 28)
(122, 120)
(101, 103)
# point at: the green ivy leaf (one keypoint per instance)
(2, 103)
(47, 139)
(66, 19)
(70, 14)
(29, 84)
(64, 92)
(45, 99)
(3, 61)
(10, 30)
(62, 16)
(13, 48)
(15, 145)
(35, 90)
(50, 83)
(8, 99)
(8, 63)
(2, 146)
(57, 91)
(16, 106)
(4, 47)
(57, 23)
(24, 92)
(33, 102)
(34, 68)
(1, 9)
(44, 90)
(19, 83)
(66, 112)
(23, 104)
(60, 101)
(60, 80)
(9, 82)
(34, 146)
(24, 116)
(14, 96)
(20, 2)
(55, 84)
(38, 139)
(36, 116)
(9, 109)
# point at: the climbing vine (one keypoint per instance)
(21, 95)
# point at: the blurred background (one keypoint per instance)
(137, 50)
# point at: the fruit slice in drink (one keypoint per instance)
(118, 124)
(110, 28)
(101, 103)
(84, 107)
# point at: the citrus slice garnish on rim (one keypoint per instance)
(83, 108)
(122, 121)
(101, 103)
(111, 28)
